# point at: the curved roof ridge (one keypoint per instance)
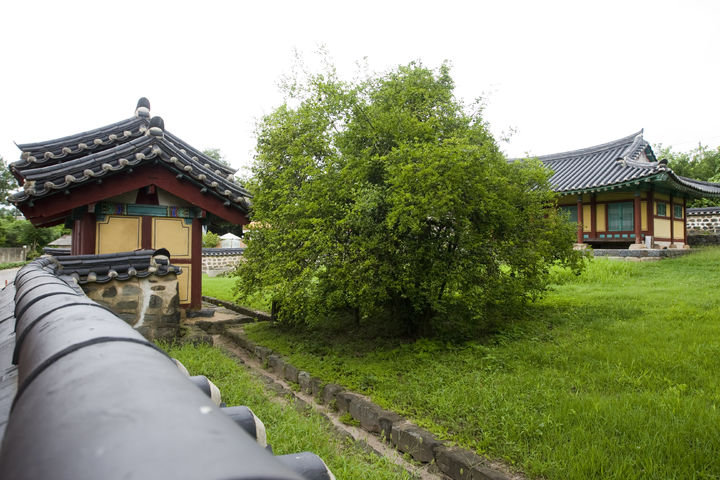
(630, 139)
(55, 142)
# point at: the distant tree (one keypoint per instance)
(210, 240)
(388, 198)
(700, 163)
(216, 154)
(8, 184)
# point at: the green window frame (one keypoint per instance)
(662, 209)
(621, 217)
(571, 211)
(678, 211)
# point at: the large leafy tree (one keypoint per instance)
(389, 199)
(700, 163)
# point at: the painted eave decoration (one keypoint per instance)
(626, 163)
(58, 166)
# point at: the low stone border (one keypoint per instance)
(642, 253)
(455, 462)
(256, 314)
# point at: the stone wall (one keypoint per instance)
(703, 239)
(13, 254)
(705, 223)
(214, 264)
(151, 305)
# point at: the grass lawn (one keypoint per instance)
(288, 430)
(222, 288)
(613, 375)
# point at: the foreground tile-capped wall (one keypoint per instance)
(151, 305)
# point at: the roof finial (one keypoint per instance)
(143, 108)
(157, 127)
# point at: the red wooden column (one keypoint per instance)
(672, 222)
(83, 237)
(685, 237)
(196, 273)
(593, 216)
(580, 219)
(637, 218)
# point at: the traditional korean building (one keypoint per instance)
(621, 195)
(127, 186)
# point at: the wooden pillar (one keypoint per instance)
(196, 263)
(593, 216)
(672, 223)
(637, 218)
(146, 233)
(580, 219)
(84, 235)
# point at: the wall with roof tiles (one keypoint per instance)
(150, 305)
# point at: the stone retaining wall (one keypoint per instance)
(258, 315)
(703, 240)
(455, 462)
(151, 305)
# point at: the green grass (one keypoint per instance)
(222, 288)
(288, 430)
(614, 374)
(5, 266)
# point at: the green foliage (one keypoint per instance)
(5, 266)
(388, 198)
(701, 163)
(210, 240)
(17, 233)
(288, 430)
(7, 184)
(223, 289)
(613, 375)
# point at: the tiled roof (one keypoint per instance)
(217, 252)
(114, 266)
(620, 163)
(703, 211)
(118, 266)
(79, 383)
(53, 166)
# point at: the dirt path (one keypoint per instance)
(420, 471)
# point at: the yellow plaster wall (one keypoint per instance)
(600, 218)
(662, 228)
(184, 283)
(586, 218)
(117, 234)
(173, 234)
(643, 216)
(662, 196)
(678, 230)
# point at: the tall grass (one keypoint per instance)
(613, 375)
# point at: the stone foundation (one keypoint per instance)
(151, 305)
(215, 264)
(707, 223)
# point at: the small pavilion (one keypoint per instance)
(127, 186)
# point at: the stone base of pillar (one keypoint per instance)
(580, 246)
(672, 245)
(637, 246)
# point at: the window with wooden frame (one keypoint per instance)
(678, 211)
(662, 209)
(620, 217)
(571, 211)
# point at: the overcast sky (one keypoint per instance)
(564, 75)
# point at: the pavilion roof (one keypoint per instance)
(55, 166)
(624, 163)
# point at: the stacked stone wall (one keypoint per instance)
(709, 223)
(213, 264)
(151, 305)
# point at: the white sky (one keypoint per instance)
(565, 75)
